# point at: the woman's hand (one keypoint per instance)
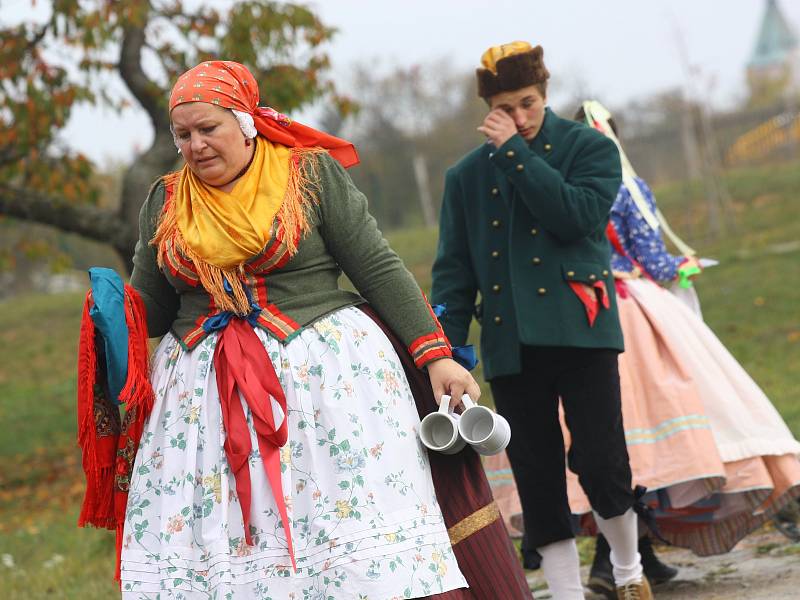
(449, 377)
(691, 262)
(632, 274)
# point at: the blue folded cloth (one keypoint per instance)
(463, 355)
(108, 315)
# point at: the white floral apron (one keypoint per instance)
(364, 519)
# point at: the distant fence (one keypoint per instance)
(742, 138)
(780, 134)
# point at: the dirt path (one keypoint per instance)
(763, 566)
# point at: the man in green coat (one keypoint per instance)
(523, 223)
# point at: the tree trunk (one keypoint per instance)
(118, 228)
(161, 156)
(424, 189)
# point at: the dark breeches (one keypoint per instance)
(587, 382)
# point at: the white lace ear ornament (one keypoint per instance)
(246, 123)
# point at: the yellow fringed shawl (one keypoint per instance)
(220, 231)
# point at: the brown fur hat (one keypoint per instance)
(512, 71)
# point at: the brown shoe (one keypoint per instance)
(635, 591)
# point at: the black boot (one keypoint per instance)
(531, 559)
(787, 521)
(601, 576)
(655, 570)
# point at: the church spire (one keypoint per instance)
(776, 39)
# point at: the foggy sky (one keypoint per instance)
(616, 49)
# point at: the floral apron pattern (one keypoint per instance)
(356, 481)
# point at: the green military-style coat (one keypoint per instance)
(517, 224)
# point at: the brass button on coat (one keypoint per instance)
(592, 277)
(570, 273)
(496, 223)
(548, 147)
(536, 260)
(520, 167)
(496, 288)
(541, 291)
(605, 273)
(534, 231)
(498, 320)
(510, 154)
(495, 254)
(495, 191)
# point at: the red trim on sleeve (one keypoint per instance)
(429, 347)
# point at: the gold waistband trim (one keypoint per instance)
(473, 523)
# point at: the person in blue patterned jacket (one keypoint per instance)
(642, 243)
(701, 434)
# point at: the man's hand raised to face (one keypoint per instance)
(498, 127)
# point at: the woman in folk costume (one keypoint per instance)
(675, 360)
(276, 453)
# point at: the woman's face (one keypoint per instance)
(211, 141)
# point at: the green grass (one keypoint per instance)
(751, 300)
(52, 557)
(40, 478)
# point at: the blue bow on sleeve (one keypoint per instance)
(463, 355)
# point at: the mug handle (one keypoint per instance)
(444, 404)
(468, 403)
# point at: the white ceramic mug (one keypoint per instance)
(483, 429)
(438, 431)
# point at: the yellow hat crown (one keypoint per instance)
(492, 55)
(511, 67)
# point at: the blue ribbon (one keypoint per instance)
(220, 320)
(463, 355)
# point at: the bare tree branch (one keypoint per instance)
(37, 37)
(160, 157)
(83, 219)
(130, 69)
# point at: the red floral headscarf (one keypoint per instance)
(231, 85)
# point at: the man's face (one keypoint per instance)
(525, 106)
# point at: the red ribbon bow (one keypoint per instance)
(245, 371)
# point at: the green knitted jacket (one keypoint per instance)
(294, 291)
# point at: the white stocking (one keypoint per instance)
(622, 535)
(561, 567)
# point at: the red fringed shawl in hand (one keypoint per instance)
(109, 445)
